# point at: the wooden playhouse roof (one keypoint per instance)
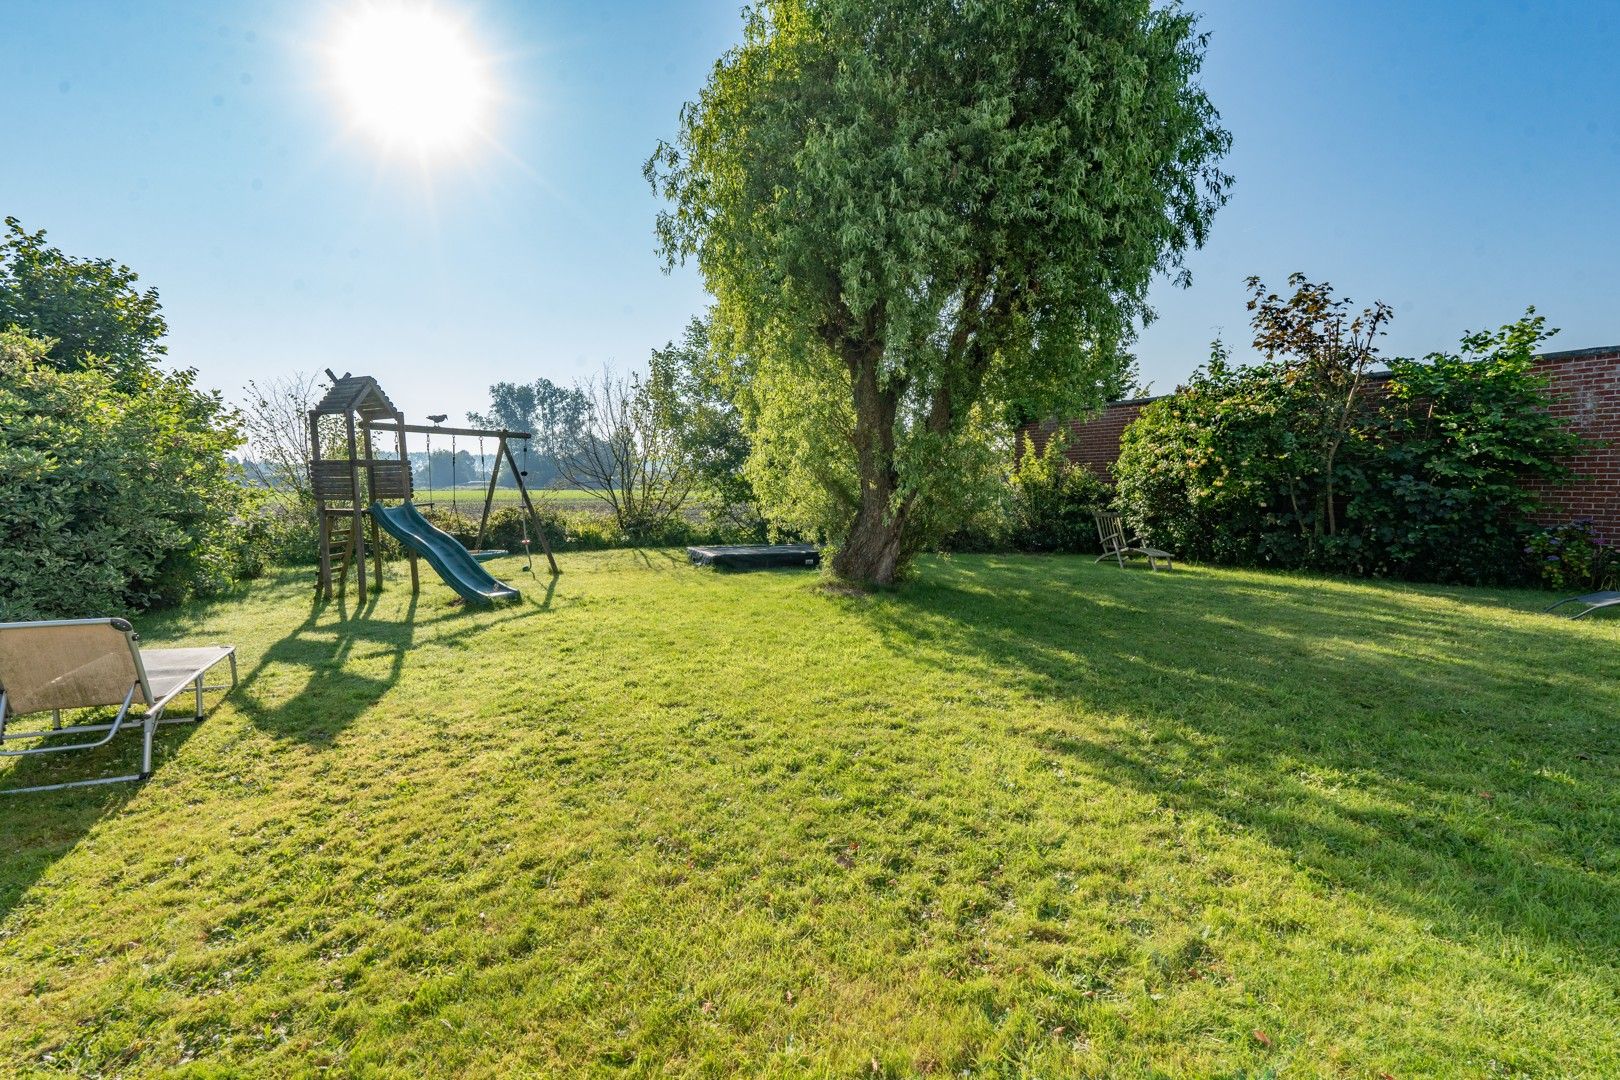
(357, 394)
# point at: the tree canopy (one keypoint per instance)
(115, 488)
(689, 386)
(542, 408)
(89, 310)
(922, 217)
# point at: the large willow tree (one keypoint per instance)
(921, 218)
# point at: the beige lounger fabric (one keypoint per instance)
(89, 663)
(65, 666)
(168, 671)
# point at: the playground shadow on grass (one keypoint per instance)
(324, 650)
(319, 651)
(332, 650)
(1485, 746)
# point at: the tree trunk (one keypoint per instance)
(873, 552)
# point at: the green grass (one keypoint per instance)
(470, 498)
(1026, 816)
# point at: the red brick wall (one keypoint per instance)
(1093, 443)
(1586, 393)
(1584, 385)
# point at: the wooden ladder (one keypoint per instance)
(339, 533)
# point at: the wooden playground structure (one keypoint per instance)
(347, 487)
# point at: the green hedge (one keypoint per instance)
(1430, 485)
(286, 535)
(1050, 502)
(113, 496)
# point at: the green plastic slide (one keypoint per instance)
(443, 552)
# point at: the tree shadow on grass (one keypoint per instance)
(1388, 738)
(660, 558)
(36, 829)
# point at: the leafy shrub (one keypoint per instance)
(588, 530)
(967, 479)
(1429, 482)
(278, 532)
(506, 528)
(582, 530)
(1439, 490)
(112, 497)
(1215, 472)
(1050, 502)
(251, 546)
(1573, 558)
(284, 531)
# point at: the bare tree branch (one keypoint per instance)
(276, 417)
(625, 454)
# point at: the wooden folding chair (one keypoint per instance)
(1111, 532)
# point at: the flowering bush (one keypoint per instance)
(1573, 558)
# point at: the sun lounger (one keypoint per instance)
(87, 663)
(1111, 532)
(1592, 601)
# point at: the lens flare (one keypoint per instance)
(411, 77)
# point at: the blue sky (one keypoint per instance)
(1458, 160)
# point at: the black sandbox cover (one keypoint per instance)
(755, 556)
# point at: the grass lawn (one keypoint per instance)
(470, 498)
(1026, 816)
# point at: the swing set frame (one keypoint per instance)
(503, 449)
(345, 486)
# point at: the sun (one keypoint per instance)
(411, 77)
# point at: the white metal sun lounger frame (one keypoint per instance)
(1596, 601)
(89, 677)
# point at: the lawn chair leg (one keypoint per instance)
(112, 729)
(198, 689)
(149, 729)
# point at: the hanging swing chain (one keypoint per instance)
(429, 436)
(523, 519)
(454, 506)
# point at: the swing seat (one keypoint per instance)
(483, 555)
